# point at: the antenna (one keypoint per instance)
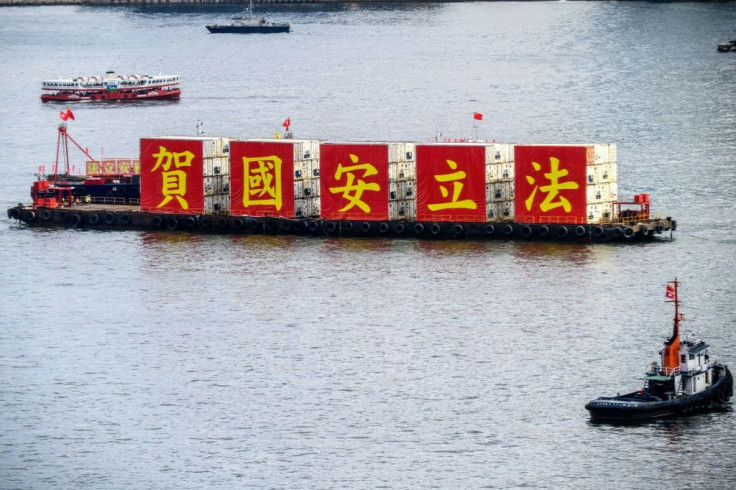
(199, 127)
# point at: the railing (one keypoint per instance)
(114, 200)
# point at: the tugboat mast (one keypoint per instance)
(671, 354)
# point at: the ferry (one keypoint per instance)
(687, 380)
(111, 87)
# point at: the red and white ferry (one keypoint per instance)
(112, 87)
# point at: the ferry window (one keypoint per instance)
(683, 359)
(692, 356)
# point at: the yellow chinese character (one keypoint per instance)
(552, 190)
(457, 188)
(174, 181)
(262, 181)
(352, 190)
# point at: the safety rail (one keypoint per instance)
(114, 200)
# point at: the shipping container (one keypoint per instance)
(500, 211)
(402, 210)
(500, 191)
(306, 208)
(402, 171)
(216, 166)
(499, 153)
(401, 152)
(217, 204)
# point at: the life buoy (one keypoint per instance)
(435, 229)
(109, 218)
(330, 227)
(46, 215)
(156, 222)
(543, 230)
(205, 222)
(348, 226)
(125, 219)
(458, 229)
(76, 219)
(383, 228)
(14, 213)
(29, 215)
(490, 229)
(312, 225)
(580, 230)
(365, 227)
(628, 232)
(526, 231)
(400, 228)
(418, 228)
(94, 219)
(562, 231)
(618, 232)
(172, 223)
(598, 231)
(222, 223)
(190, 222)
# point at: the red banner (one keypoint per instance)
(550, 184)
(451, 183)
(262, 178)
(354, 181)
(172, 176)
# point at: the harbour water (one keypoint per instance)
(167, 360)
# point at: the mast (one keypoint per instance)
(62, 147)
(671, 353)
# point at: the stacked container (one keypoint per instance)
(306, 178)
(402, 177)
(500, 182)
(601, 182)
(216, 172)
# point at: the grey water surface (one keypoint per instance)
(167, 360)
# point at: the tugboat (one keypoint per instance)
(727, 46)
(249, 24)
(688, 381)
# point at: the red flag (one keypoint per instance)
(68, 114)
(287, 123)
(669, 292)
(477, 116)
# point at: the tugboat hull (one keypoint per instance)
(640, 407)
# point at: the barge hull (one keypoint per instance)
(115, 217)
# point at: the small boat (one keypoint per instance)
(111, 87)
(727, 46)
(688, 381)
(247, 23)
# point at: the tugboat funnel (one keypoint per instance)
(671, 353)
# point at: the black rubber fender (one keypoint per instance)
(644, 231)
(618, 232)
(628, 232)
(109, 218)
(580, 230)
(400, 228)
(172, 224)
(490, 229)
(190, 222)
(238, 223)
(312, 225)
(76, 219)
(543, 230)
(418, 228)
(435, 229)
(674, 225)
(526, 231)
(28, 215)
(156, 222)
(222, 223)
(14, 213)
(94, 218)
(598, 231)
(365, 227)
(383, 228)
(125, 219)
(562, 232)
(205, 222)
(330, 227)
(46, 215)
(508, 230)
(458, 229)
(659, 229)
(348, 226)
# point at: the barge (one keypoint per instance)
(439, 190)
